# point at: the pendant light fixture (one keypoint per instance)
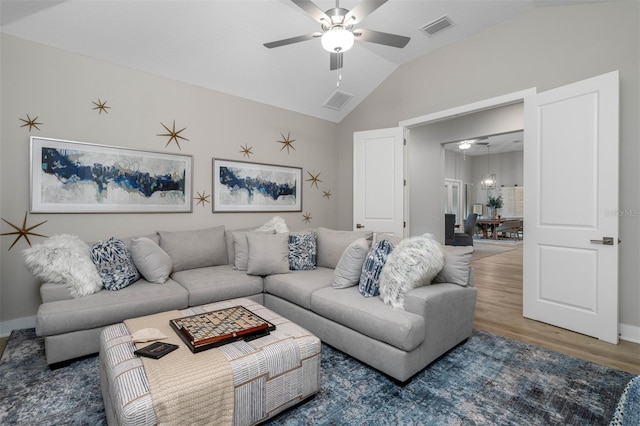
(488, 179)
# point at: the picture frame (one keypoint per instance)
(241, 186)
(80, 177)
(477, 209)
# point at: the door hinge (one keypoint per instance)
(404, 142)
(404, 182)
(404, 224)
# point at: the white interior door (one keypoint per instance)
(378, 180)
(571, 175)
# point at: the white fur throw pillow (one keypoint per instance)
(275, 224)
(413, 263)
(64, 259)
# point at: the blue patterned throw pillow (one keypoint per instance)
(302, 251)
(373, 264)
(114, 263)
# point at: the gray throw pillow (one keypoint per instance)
(457, 265)
(268, 253)
(195, 249)
(349, 268)
(241, 251)
(332, 243)
(153, 263)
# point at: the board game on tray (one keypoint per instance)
(212, 329)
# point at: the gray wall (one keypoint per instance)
(59, 87)
(544, 48)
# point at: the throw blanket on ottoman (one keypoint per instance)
(187, 388)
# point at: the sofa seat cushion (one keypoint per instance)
(109, 307)
(216, 283)
(370, 316)
(298, 286)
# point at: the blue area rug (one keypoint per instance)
(487, 380)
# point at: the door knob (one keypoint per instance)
(607, 241)
(359, 226)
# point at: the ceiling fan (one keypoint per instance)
(338, 34)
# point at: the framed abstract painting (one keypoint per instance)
(240, 186)
(79, 177)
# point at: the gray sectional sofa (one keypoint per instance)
(397, 342)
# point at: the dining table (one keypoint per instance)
(489, 224)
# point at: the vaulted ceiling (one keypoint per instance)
(218, 44)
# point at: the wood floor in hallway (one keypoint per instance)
(499, 310)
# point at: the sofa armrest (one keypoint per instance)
(448, 309)
(51, 292)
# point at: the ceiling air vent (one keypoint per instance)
(338, 100)
(437, 25)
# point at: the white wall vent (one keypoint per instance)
(437, 25)
(337, 100)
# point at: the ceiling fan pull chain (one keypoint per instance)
(339, 79)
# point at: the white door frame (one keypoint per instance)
(508, 99)
(459, 212)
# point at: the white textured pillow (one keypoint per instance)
(66, 260)
(413, 263)
(275, 225)
(349, 267)
(153, 263)
(268, 253)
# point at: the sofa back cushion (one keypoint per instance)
(332, 243)
(195, 249)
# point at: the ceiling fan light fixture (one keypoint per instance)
(466, 144)
(337, 40)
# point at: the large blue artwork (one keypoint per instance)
(243, 186)
(77, 177)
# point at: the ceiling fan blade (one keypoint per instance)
(335, 61)
(378, 37)
(291, 40)
(312, 10)
(361, 10)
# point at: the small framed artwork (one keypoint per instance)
(477, 209)
(240, 186)
(79, 177)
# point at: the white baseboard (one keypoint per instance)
(6, 327)
(629, 333)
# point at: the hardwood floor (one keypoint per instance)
(3, 344)
(499, 310)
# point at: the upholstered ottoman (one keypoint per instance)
(266, 375)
